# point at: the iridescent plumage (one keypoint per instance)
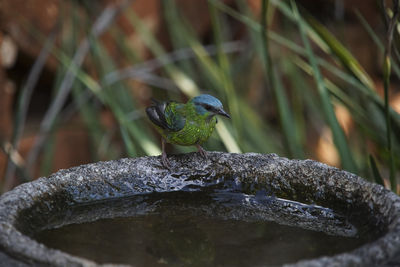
(186, 124)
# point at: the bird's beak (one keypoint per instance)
(223, 113)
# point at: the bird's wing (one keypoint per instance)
(175, 116)
(166, 115)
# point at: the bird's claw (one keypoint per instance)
(165, 162)
(202, 152)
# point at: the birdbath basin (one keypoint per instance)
(229, 210)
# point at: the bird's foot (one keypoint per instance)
(165, 161)
(202, 152)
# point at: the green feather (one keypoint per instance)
(174, 115)
(186, 124)
(197, 128)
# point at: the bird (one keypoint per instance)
(189, 124)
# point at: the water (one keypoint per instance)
(201, 229)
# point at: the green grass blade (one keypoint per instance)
(121, 103)
(333, 89)
(129, 146)
(341, 52)
(326, 40)
(386, 84)
(375, 171)
(376, 39)
(276, 86)
(339, 138)
(224, 72)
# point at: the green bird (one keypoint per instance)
(185, 124)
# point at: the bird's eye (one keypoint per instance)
(208, 107)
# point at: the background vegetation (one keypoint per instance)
(291, 86)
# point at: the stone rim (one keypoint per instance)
(130, 174)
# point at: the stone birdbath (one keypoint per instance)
(229, 210)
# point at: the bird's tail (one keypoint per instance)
(156, 113)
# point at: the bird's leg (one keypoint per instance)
(164, 159)
(202, 152)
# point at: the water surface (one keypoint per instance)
(201, 229)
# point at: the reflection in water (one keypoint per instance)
(213, 228)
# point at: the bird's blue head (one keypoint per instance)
(208, 104)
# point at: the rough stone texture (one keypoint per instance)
(306, 181)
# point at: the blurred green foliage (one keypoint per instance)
(277, 112)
